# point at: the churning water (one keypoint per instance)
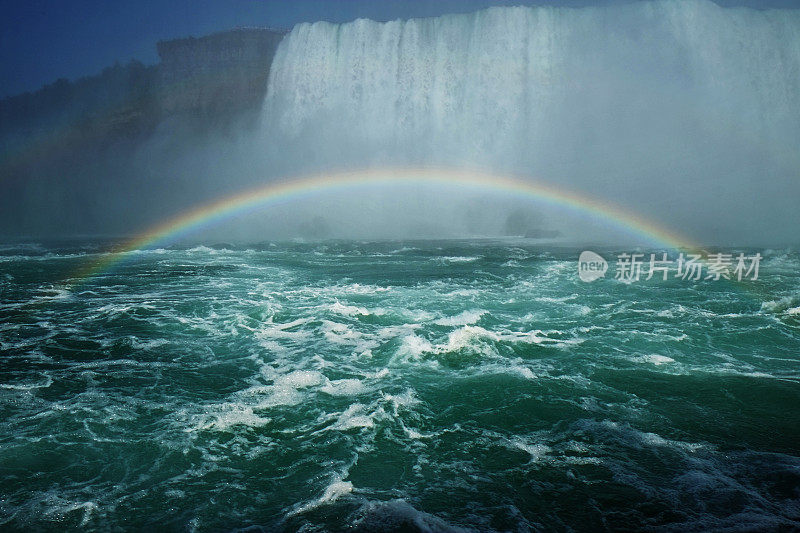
(442, 386)
(431, 386)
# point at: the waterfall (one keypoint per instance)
(671, 94)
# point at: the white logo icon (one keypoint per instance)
(591, 266)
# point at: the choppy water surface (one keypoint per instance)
(431, 386)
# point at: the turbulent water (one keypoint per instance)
(430, 386)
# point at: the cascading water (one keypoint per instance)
(643, 103)
(439, 385)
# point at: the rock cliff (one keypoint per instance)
(213, 77)
(63, 147)
(218, 74)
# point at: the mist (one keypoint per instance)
(684, 112)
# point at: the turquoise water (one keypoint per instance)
(389, 386)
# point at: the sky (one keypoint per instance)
(43, 40)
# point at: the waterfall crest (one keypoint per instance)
(677, 94)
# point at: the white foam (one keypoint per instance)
(335, 490)
(468, 336)
(285, 330)
(357, 288)
(357, 416)
(406, 400)
(413, 346)
(338, 333)
(463, 293)
(298, 379)
(352, 310)
(479, 340)
(462, 319)
(52, 294)
(28, 386)
(285, 390)
(414, 434)
(536, 451)
(553, 300)
(457, 259)
(382, 373)
(523, 371)
(780, 305)
(201, 249)
(231, 415)
(654, 359)
(59, 507)
(344, 387)
(418, 315)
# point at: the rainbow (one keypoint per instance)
(178, 227)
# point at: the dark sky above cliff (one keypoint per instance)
(42, 40)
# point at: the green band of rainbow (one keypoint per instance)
(278, 192)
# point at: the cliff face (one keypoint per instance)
(215, 75)
(119, 100)
(63, 148)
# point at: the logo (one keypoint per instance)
(591, 266)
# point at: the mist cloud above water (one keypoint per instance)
(682, 111)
